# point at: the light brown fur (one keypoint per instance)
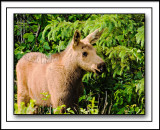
(60, 75)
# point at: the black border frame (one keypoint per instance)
(82, 13)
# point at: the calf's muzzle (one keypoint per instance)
(101, 68)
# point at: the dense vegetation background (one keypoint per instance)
(120, 90)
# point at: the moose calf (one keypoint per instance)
(60, 75)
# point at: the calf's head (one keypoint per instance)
(85, 54)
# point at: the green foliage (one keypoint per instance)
(140, 36)
(29, 109)
(92, 108)
(46, 96)
(58, 109)
(122, 46)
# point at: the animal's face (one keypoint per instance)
(86, 56)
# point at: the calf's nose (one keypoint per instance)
(101, 67)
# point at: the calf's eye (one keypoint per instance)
(84, 54)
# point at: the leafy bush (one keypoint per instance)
(120, 90)
(29, 109)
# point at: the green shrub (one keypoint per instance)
(29, 109)
(120, 90)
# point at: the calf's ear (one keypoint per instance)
(94, 36)
(76, 38)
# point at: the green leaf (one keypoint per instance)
(82, 98)
(45, 30)
(110, 27)
(121, 111)
(26, 35)
(30, 38)
(142, 112)
(120, 37)
(46, 46)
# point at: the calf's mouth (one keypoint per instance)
(98, 72)
(100, 68)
